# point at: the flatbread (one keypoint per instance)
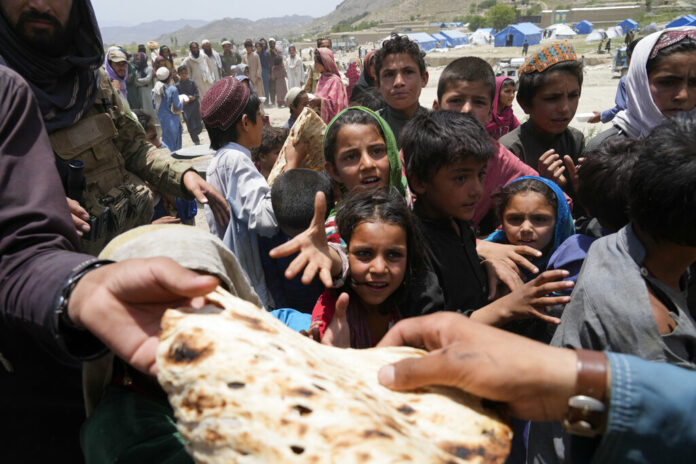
(247, 389)
(308, 127)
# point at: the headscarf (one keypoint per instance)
(141, 67)
(170, 60)
(641, 115)
(112, 74)
(65, 86)
(327, 60)
(369, 78)
(353, 76)
(396, 179)
(564, 222)
(242, 78)
(330, 87)
(505, 121)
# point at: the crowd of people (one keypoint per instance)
(540, 271)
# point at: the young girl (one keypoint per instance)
(533, 211)
(385, 256)
(331, 93)
(548, 91)
(503, 119)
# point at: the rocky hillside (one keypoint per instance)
(124, 35)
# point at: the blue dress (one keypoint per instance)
(170, 122)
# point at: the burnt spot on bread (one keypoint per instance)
(319, 387)
(236, 385)
(199, 402)
(254, 323)
(212, 437)
(303, 410)
(190, 348)
(406, 409)
(277, 347)
(462, 450)
(303, 392)
(375, 433)
(297, 449)
(364, 457)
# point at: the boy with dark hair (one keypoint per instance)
(292, 196)
(266, 154)
(467, 85)
(400, 74)
(192, 107)
(297, 99)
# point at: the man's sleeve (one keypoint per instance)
(38, 237)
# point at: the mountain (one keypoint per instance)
(141, 33)
(349, 12)
(237, 29)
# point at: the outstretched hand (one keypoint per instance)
(79, 216)
(122, 304)
(315, 255)
(503, 262)
(534, 379)
(338, 333)
(206, 194)
(551, 167)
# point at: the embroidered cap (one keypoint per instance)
(670, 38)
(224, 102)
(551, 54)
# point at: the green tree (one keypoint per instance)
(472, 8)
(500, 16)
(477, 21)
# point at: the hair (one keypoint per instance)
(502, 197)
(387, 206)
(321, 39)
(248, 43)
(350, 116)
(467, 68)
(434, 140)
(278, 60)
(530, 83)
(221, 137)
(271, 138)
(685, 45)
(399, 44)
(662, 197)
(603, 181)
(369, 98)
(144, 119)
(296, 101)
(191, 44)
(292, 197)
(182, 68)
(292, 47)
(141, 48)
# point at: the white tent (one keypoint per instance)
(559, 31)
(596, 35)
(482, 36)
(614, 32)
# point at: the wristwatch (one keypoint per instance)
(588, 408)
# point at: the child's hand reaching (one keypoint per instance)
(338, 333)
(315, 256)
(527, 301)
(551, 167)
(502, 263)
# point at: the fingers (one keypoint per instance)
(309, 272)
(325, 277)
(549, 276)
(295, 266)
(342, 305)
(429, 332)
(492, 285)
(547, 154)
(412, 373)
(166, 274)
(551, 301)
(511, 279)
(521, 261)
(546, 317)
(319, 209)
(288, 248)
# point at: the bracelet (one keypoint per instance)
(588, 408)
(63, 299)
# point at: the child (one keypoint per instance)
(400, 75)
(265, 155)
(297, 99)
(468, 85)
(533, 211)
(292, 196)
(503, 119)
(192, 108)
(168, 106)
(548, 91)
(385, 256)
(278, 75)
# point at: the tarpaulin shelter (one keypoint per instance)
(584, 27)
(426, 42)
(596, 35)
(519, 33)
(628, 25)
(614, 32)
(482, 36)
(560, 31)
(442, 40)
(682, 21)
(455, 37)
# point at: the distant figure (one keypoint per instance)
(229, 59)
(509, 39)
(200, 68)
(607, 47)
(525, 47)
(294, 68)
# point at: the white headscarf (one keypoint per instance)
(641, 115)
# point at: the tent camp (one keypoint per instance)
(519, 32)
(682, 21)
(456, 38)
(559, 31)
(426, 42)
(614, 32)
(482, 36)
(443, 42)
(596, 35)
(584, 27)
(649, 29)
(628, 25)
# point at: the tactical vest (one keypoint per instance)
(116, 200)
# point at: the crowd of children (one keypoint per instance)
(463, 209)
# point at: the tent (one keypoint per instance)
(649, 29)
(456, 38)
(559, 31)
(482, 36)
(519, 32)
(596, 35)
(614, 32)
(443, 41)
(682, 21)
(584, 27)
(628, 25)
(425, 41)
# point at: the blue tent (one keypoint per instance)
(490, 30)
(456, 37)
(685, 20)
(628, 25)
(583, 27)
(444, 41)
(425, 41)
(519, 32)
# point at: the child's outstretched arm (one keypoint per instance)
(502, 263)
(316, 256)
(527, 301)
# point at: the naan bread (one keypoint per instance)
(309, 128)
(247, 389)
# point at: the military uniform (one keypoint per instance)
(117, 162)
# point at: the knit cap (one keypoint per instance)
(224, 102)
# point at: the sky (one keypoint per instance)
(133, 12)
